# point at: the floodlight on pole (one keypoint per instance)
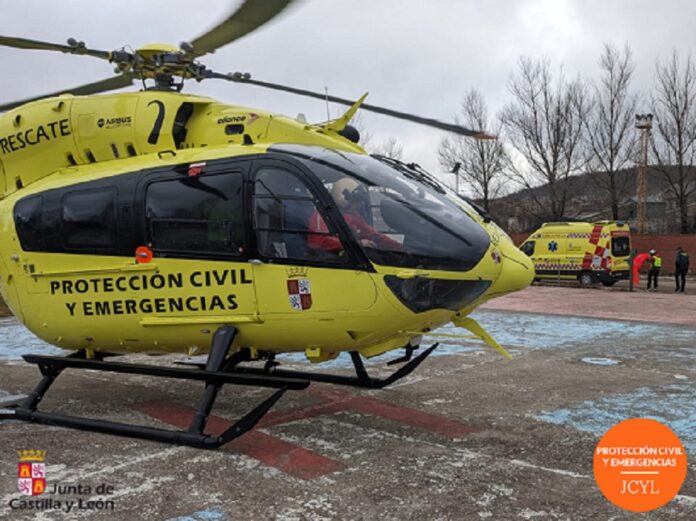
(644, 125)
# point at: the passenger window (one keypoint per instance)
(287, 222)
(27, 217)
(200, 215)
(528, 248)
(620, 246)
(88, 219)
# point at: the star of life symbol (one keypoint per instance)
(553, 246)
(31, 472)
(300, 294)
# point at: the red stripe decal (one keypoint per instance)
(596, 233)
(587, 260)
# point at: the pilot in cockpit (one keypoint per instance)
(350, 196)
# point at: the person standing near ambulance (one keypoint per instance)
(654, 272)
(681, 265)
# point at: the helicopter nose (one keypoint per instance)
(517, 271)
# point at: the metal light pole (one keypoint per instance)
(644, 124)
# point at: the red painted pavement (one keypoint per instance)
(336, 400)
(269, 450)
(291, 458)
(412, 417)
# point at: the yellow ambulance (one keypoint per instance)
(582, 251)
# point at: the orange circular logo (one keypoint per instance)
(639, 464)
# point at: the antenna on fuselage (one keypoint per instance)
(326, 91)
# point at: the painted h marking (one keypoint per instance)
(293, 459)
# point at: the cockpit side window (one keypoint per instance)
(398, 220)
(287, 221)
(358, 205)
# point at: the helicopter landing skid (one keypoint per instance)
(213, 375)
(361, 378)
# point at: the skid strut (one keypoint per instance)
(218, 370)
(215, 375)
(361, 378)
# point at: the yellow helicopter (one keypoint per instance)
(159, 222)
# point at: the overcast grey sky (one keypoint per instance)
(411, 55)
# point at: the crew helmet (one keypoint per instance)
(346, 191)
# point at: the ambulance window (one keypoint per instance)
(528, 248)
(88, 219)
(200, 215)
(27, 216)
(620, 246)
(287, 222)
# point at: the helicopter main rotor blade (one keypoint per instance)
(249, 17)
(76, 48)
(117, 82)
(450, 127)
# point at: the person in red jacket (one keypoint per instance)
(349, 195)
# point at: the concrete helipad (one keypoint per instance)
(469, 435)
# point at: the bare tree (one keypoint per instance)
(544, 124)
(480, 162)
(674, 143)
(612, 141)
(389, 147)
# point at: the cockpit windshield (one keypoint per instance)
(399, 217)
